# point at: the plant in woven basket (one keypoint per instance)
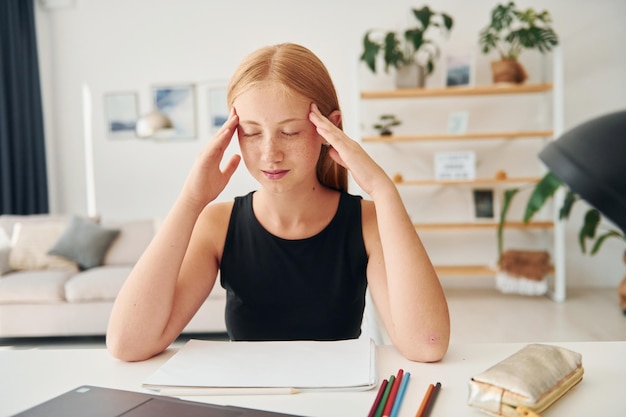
(511, 31)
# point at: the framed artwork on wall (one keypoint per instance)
(218, 107)
(455, 165)
(457, 122)
(178, 102)
(121, 113)
(484, 204)
(459, 69)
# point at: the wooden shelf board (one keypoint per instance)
(485, 225)
(457, 91)
(478, 181)
(466, 136)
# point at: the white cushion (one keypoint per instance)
(5, 240)
(133, 239)
(4, 260)
(8, 221)
(31, 242)
(99, 283)
(33, 286)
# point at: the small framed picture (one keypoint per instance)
(459, 69)
(121, 114)
(178, 102)
(455, 165)
(484, 204)
(218, 107)
(457, 122)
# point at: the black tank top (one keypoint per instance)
(303, 289)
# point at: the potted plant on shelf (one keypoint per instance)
(386, 122)
(543, 191)
(512, 30)
(410, 52)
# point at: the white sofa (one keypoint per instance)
(43, 295)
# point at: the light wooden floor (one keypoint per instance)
(484, 315)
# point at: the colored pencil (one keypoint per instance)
(432, 399)
(420, 411)
(428, 401)
(379, 396)
(393, 393)
(383, 401)
(398, 402)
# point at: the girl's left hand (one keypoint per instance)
(348, 153)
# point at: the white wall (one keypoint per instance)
(131, 45)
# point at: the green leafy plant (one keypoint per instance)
(544, 190)
(512, 30)
(410, 46)
(386, 122)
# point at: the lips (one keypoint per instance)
(275, 174)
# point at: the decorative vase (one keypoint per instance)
(410, 76)
(508, 71)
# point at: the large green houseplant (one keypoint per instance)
(411, 47)
(543, 191)
(584, 163)
(512, 30)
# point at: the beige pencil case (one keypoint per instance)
(527, 382)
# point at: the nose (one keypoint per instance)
(270, 149)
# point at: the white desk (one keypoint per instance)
(28, 377)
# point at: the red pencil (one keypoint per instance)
(381, 390)
(393, 393)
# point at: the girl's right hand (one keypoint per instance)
(206, 180)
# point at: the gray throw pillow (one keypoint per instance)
(84, 242)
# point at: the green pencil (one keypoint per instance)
(383, 401)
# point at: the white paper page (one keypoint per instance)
(293, 364)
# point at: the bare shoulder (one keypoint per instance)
(368, 213)
(368, 208)
(217, 211)
(212, 225)
(369, 223)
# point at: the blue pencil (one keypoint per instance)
(396, 405)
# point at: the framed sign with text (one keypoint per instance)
(457, 165)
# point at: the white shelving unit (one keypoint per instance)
(551, 95)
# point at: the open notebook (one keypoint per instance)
(296, 365)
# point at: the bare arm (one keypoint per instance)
(176, 272)
(403, 282)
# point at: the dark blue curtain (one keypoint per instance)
(23, 178)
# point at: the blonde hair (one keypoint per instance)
(300, 70)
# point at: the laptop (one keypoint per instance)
(94, 401)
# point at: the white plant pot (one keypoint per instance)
(410, 76)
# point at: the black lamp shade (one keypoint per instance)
(591, 160)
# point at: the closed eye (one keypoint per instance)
(249, 134)
(290, 134)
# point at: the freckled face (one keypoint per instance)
(279, 145)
